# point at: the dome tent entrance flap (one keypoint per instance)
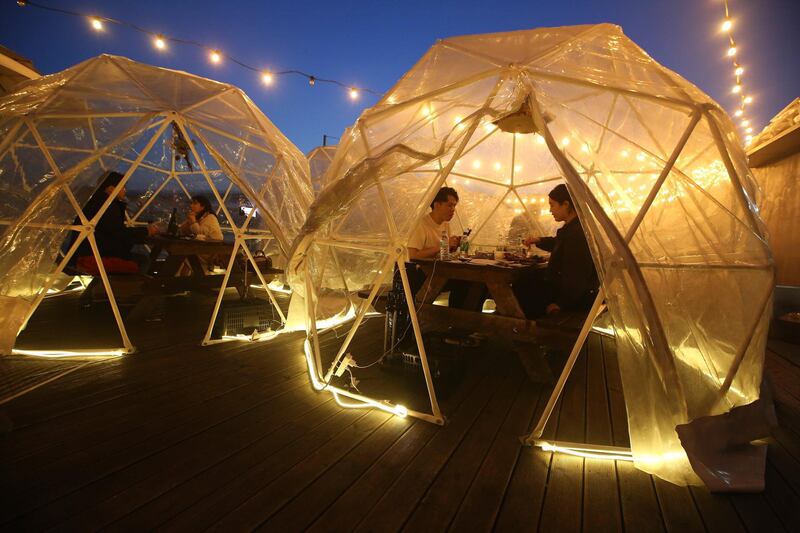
(171, 135)
(659, 181)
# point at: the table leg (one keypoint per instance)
(505, 299)
(431, 289)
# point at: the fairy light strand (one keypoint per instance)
(161, 42)
(738, 73)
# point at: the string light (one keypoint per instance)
(738, 72)
(161, 42)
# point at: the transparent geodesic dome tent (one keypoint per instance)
(171, 134)
(660, 184)
(319, 160)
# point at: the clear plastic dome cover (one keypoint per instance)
(660, 183)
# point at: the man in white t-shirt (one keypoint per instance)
(424, 241)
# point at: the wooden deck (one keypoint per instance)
(232, 437)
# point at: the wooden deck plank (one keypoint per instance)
(155, 454)
(677, 507)
(227, 497)
(640, 508)
(139, 420)
(399, 501)
(439, 505)
(363, 493)
(563, 500)
(481, 505)
(179, 463)
(160, 509)
(301, 511)
(616, 398)
(256, 509)
(601, 504)
(524, 498)
(782, 499)
(756, 514)
(92, 425)
(717, 511)
(241, 441)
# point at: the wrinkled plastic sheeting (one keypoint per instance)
(319, 160)
(722, 450)
(60, 133)
(681, 254)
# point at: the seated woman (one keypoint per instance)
(570, 282)
(201, 222)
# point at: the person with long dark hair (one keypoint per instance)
(201, 221)
(570, 282)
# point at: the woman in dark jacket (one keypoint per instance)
(570, 282)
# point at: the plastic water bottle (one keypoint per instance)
(444, 247)
(172, 227)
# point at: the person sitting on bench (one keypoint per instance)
(201, 221)
(114, 240)
(570, 281)
(425, 242)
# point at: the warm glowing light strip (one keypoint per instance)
(215, 56)
(738, 73)
(587, 451)
(364, 402)
(100, 352)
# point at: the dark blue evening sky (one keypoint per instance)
(372, 43)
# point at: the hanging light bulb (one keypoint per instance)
(739, 112)
(96, 23)
(745, 123)
(565, 141)
(748, 139)
(748, 99)
(266, 77)
(215, 57)
(353, 93)
(159, 42)
(739, 71)
(312, 80)
(749, 130)
(727, 25)
(737, 88)
(731, 51)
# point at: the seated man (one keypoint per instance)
(426, 239)
(114, 240)
(570, 282)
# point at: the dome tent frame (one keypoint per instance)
(153, 99)
(720, 374)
